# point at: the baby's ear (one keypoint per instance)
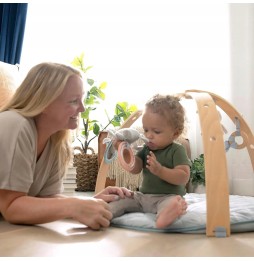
(177, 134)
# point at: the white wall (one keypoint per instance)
(149, 46)
(242, 91)
(242, 59)
(140, 47)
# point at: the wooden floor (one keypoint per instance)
(67, 238)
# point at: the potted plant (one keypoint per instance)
(197, 174)
(94, 95)
(87, 163)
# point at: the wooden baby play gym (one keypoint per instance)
(217, 190)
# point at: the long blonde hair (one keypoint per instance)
(42, 85)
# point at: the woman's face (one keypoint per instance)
(63, 112)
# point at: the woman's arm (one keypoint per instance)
(18, 208)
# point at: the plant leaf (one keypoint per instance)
(90, 82)
(103, 86)
(96, 129)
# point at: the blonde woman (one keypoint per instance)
(34, 142)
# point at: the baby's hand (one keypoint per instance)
(153, 165)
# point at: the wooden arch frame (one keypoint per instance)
(217, 190)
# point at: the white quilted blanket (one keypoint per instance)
(194, 221)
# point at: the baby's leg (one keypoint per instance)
(170, 210)
(126, 205)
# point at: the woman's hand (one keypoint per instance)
(94, 213)
(18, 208)
(114, 193)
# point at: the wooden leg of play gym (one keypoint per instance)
(217, 191)
(248, 142)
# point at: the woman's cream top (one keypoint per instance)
(19, 168)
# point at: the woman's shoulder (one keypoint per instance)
(14, 120)
(11, 116)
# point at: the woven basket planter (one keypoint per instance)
(86, 169)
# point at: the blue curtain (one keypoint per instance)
(12, 29)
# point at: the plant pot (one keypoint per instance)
(197, 188)
(86, 169)
(200, 189)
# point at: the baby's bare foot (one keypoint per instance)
(177, 207)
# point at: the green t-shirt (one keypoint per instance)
(171, 156)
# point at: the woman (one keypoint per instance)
(35, 132)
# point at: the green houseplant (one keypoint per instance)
(87, 163)
(197, 171)
(94, 96)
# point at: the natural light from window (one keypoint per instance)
(138, 47)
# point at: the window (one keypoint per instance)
(138, 47)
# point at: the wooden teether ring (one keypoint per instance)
(126, 156)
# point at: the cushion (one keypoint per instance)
(194, 221)
(9, 78)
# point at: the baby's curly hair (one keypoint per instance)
(168, 106)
